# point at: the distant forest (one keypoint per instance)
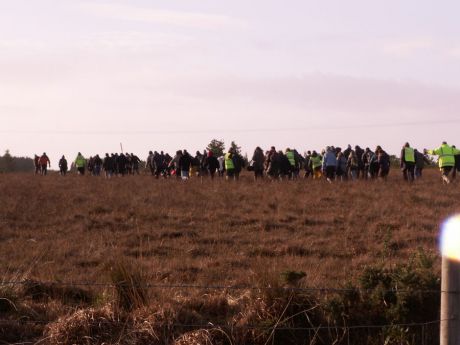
(8, 163)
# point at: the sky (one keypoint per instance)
(167, 75)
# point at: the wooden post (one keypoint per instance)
(450, 302)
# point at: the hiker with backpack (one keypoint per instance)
(44, 163)
(63, 167)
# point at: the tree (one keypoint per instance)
(7, 162)
(217, 147)
(236, 148)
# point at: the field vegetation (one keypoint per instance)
(136, 260)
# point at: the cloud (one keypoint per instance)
(135, 40)
(160, 16)
(407, 48)
(21, 45)
(455, 52)
(335, 93)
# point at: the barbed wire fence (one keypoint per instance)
(214, 287)
(426, 332)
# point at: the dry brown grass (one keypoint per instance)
(74, 229)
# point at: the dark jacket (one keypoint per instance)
(121, 162)
(383, 159)
(258, 159)
(108, 164)
(63, 163)
(420, 160)
(97, 161)
(238, 162)
(211, 163)
(184, 162)
(157, 161)
(359, 154)
(285, 166)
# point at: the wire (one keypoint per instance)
(216, 287)
(234, 130)
(250, 327)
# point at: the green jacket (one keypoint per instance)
(316, 162)
(229, 162)
(80, 161)
(291, 157)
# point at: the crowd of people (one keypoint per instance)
(332, 164)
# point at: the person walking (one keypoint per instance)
(97, 165)
(352, 165)
(90, 165)
(291, 157)
(366, 159)
(135, 161)
(374, 165)
(80, 164)
(258, 160)
(44, 163)
(329, 164)
(195, 166)
(361, 169)
(446, 160)
(121, 164)
(316, 164)
(174, 164)
(420, 161)
(238, 164)
(408, 162)
(185, 162)
(229, 165)
(300, 161)
(63, 167)
(383, 163)
(221, 160)
(150, 164)
(341, 169)
(285, 167)
(166, 160)
(307, 165)
(37, 164)
(457, 163)
(128, 164)
(211, 164)
(158, 161)
(108, 164)
(347, 151)
(273, 164)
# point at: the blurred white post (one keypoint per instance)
(450, 302)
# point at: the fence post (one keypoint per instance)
(450, 302)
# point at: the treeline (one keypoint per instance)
(8, 163)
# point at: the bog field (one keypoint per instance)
(136, 260)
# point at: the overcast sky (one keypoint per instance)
(163, 75)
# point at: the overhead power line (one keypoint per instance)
(231, 130)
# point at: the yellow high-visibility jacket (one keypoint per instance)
(229, 162)
(80, 161)
(291, 157)
(446, 155)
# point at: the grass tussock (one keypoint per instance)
(44, 291)
(131, 286)
(103, 326)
